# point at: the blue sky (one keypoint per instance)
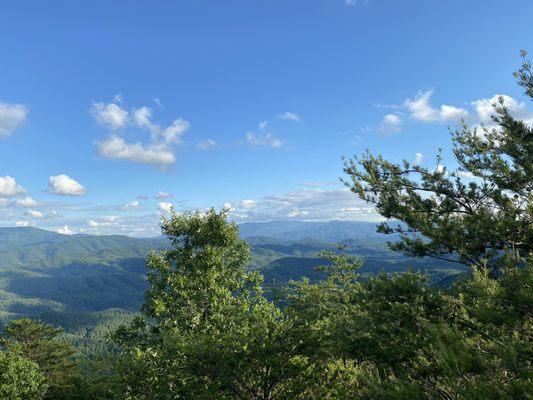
(110, 112)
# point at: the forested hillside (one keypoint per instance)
(55, 277)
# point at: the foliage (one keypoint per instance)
(206, 330)
(42, 345)
(20, 378)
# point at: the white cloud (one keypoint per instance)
(63, 185)
(158, 151)
(351, 209)
(452, 114)
(297, 213)
(112, 220)
(34, 214)
(142, 117)
(132, 205)
(290, 116)
(390, 125)
(263, 138)
(64, 230)
(9, 187)
(24, 223)
(27, 202)
(421, 110)
(309, 204)
(419, 159)
(173, 133)
(111, 115)
(11, 117)
(485, 108)
(206, 144)
(247, 204)
(163, 195)
(165, 206)
(156, 154)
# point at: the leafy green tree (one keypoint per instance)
(20, 378)
(42, 344)
(206, 331)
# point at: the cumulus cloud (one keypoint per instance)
(390, 125)
(27, 201)
(64, 230)
(421, 110)
(156, 151)
(11, 117)
(163, 195)
(111, 116)
(485, 108)
(165, 206)
(63, 185)
(156, 154)
(206, 144)
(289, 116)
(9, 187)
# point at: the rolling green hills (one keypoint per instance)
(85, 282)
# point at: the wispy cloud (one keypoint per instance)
(309, 204)
(207, 144)
(289, 116)
(263, 138)
(391, 124)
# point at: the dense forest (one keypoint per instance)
(212, 328)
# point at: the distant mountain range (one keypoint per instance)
(84, 281)
(331, 231)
